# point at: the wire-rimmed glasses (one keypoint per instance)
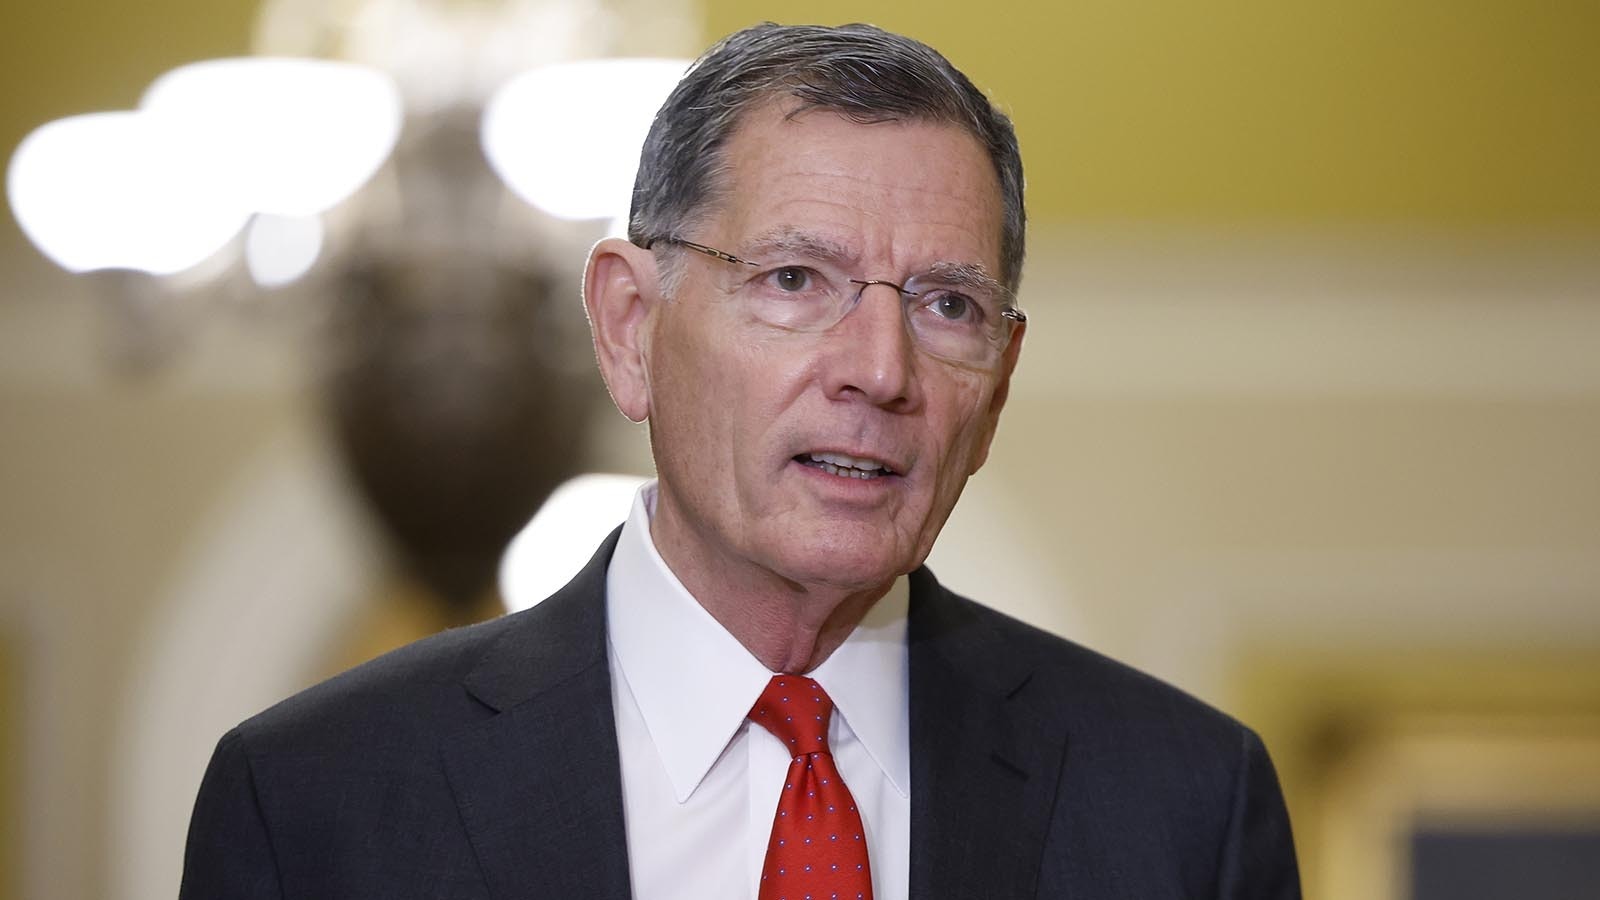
(955, 312)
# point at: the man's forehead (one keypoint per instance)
(780, 150)
(785, 125)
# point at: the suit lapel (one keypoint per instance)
(983, 770)
(538, 786)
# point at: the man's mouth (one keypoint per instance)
(845, 466)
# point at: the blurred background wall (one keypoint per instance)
(1308, 422)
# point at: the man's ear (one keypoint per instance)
(619, 291)
(997, 401)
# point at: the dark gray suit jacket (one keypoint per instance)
(482, 763)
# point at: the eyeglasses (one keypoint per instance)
(955, 312)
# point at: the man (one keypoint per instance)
(754, 689)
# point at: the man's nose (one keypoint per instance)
(871, 353)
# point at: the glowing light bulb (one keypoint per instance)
(562, 535)
(114, 191)
(280, 249)
(566, 137)
(295, 136)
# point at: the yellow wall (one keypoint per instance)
(75, 56)
(1248, 112)
(1264, 112)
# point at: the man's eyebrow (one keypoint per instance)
(970, 275)
(785, 243)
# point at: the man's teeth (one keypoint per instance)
(848, 466)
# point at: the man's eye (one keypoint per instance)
(791, 278)
(952, 306)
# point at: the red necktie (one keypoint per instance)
(818, 849)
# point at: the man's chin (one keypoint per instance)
(844, 572)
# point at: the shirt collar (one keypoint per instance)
(694, 682)
(868, 679)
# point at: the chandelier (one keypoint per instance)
(245, 171)
(416, 180)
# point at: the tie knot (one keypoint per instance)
(796, 710)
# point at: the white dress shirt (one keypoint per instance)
(700, 783)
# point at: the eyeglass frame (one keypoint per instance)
(1010, 312)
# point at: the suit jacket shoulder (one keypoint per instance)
(408, 697)
(438, 770)
(1072, 774)
(1059, 678)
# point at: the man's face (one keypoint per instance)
(738, 408)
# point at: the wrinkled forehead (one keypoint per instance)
(788, 166)
(777, 108)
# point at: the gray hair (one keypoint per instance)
(859, 71)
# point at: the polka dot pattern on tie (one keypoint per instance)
(818, 849)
